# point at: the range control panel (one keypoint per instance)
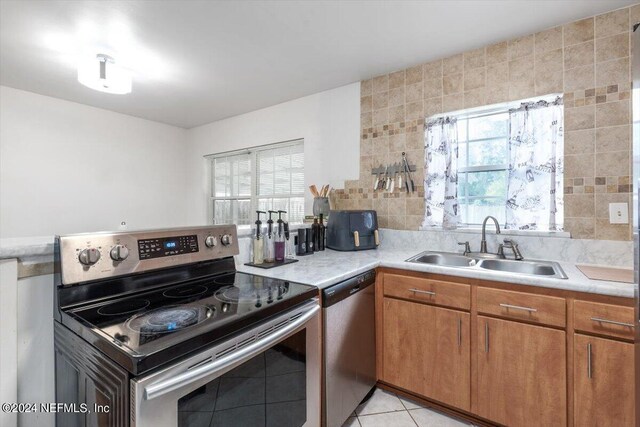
(86, 257)
(167, 246)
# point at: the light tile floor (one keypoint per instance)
(385, 409)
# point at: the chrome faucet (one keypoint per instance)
(467, 248)
(510, 244)
(483, 242)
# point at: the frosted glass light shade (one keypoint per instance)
(101, 73)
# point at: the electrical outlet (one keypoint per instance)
(618, 213)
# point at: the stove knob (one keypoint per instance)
(119, 253)
(226, 240)
(211, 241)
(89, 256)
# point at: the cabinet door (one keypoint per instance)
(603, 382)
(426, 350)
(521, 373)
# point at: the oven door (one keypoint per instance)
(267, 376)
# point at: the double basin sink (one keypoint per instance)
(547, 269)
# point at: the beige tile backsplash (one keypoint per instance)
(587, 60)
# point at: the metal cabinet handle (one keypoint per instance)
(420, 291)
(589, 369)
(517, 307)
(459, 332)
(486, 337)
(613, 322)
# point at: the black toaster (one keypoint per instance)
(352, 230)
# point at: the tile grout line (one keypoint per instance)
(406, 409)
(411, 416)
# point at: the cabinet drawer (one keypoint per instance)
(436, 292)
(604, 319)
(522, 306)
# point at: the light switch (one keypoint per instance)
(618, 213)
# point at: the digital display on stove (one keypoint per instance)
(167, 246)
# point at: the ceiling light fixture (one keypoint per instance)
(103, 74)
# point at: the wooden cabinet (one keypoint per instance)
(603, 389)
(603, 319)
(508, 354)
(427, 350)
(437, 292)
(521, 373)
(541, 309)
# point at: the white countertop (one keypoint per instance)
(21, 247)
(323, 269)
(326, 268)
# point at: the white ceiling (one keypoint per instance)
(195, 62)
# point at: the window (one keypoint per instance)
(232, 189)
(262, 178)
(503, 160)
(483, 166)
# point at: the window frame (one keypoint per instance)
(463, 172)
(254, 197)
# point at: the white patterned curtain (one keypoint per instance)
(535, 186)
(441, 178)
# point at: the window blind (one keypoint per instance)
(263, 178)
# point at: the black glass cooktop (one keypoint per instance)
(165, 323)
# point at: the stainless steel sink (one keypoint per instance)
(528, 268)
(443, 258)
(532, 268)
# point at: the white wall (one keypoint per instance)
(329, 123)
(68, 168)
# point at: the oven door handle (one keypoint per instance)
(170, 384)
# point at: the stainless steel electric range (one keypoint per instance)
(157, 328)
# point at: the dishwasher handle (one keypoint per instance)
(336, 293)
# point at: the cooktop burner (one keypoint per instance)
(228, 279)
(189, 314)
(168, 319)
(185, 291)
(124, 307)
(235, 294)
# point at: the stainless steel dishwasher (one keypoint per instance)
(349, 346)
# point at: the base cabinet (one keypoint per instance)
(427, 351)
(506, 355)
(603, 384)
(521, 373)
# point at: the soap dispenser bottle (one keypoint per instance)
(288, 250)
(258, 241)
(280, 238)
(270, 240)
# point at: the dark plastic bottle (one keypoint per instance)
(321, 234)
(315, 232)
